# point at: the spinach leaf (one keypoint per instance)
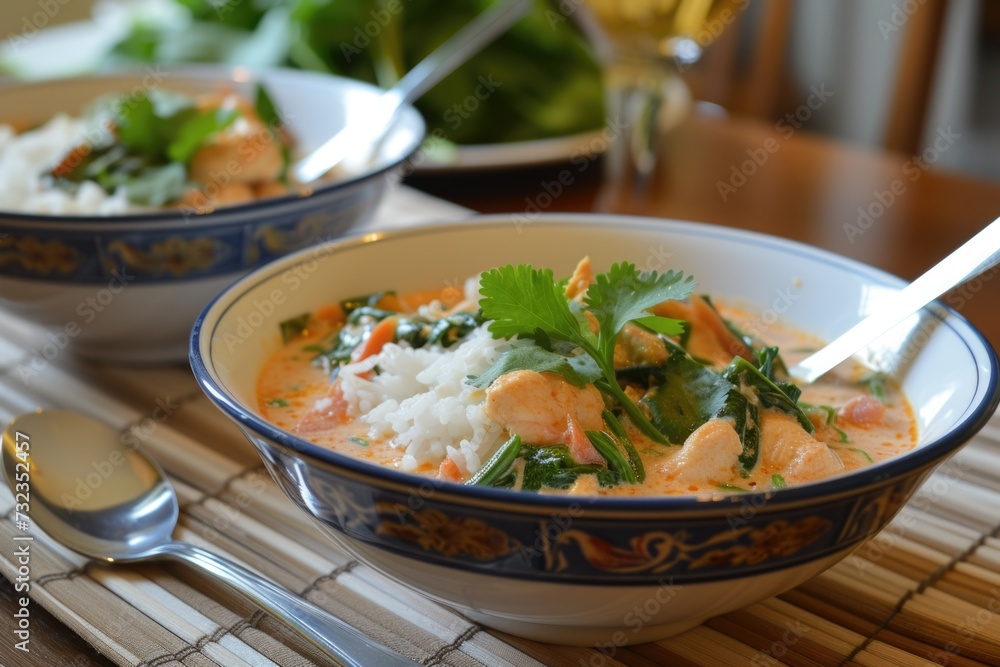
(744, 415)
(532, 357)
(449, 330)
(690, 394)
(294, 327)
(554, 467)
(744, 375)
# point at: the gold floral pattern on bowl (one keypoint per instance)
(173, 255)
(433, 530)
(39, 257)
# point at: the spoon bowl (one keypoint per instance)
(107, 500)
(73, 497)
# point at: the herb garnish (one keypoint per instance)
(527, 303)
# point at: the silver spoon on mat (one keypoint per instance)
(360, 138)
(130, 515)
(972, 258)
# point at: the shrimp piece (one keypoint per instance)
(708, 457)
(638, 347)
(863, 411)
(710, 338)
(581, 280)
(545, 409)
(786, 448)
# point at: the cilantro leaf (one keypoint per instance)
(531, 357)
(624, 294)
(196, 132)
(663, 325)
(520, 299)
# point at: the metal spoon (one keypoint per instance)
(361, 137)
(972, 258)
(126, 510)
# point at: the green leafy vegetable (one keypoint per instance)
(449, 330)
(265, 108)
(731, 488)
(357, 440)
(278, 403)
(876, 383)
(527, 303)
(778, 482)
(497, 465)
(294, 327)
(863, 453)
(690, 394)
(617, 432)
(842, 434)
(554, 467)
(608, 448)
(742, 374)
(532, 357)
(152, 186)
(197, 131)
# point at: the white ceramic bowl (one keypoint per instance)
(596, 571)
(129, 287)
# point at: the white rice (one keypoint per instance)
(420, 400)
(26, 157)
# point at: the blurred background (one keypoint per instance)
(898, 71)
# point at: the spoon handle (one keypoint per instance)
(327, 632)
(973, 257)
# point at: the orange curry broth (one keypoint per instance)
(290, 385)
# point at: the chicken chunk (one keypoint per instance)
(709, 456)
(787, 449)
(545, 409)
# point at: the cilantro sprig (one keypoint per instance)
(526, 302)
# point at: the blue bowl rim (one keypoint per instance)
(886, 472)
(204, 71)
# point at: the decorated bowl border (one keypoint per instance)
(901, 471)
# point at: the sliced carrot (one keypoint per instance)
(449, 471)
(389, 301)
(382, 333)
(333, 314)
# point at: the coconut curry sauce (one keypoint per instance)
(857, 418)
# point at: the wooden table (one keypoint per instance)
(808, 188)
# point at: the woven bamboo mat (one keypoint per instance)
(925, 591)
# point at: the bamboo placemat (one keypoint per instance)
(925, 591)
